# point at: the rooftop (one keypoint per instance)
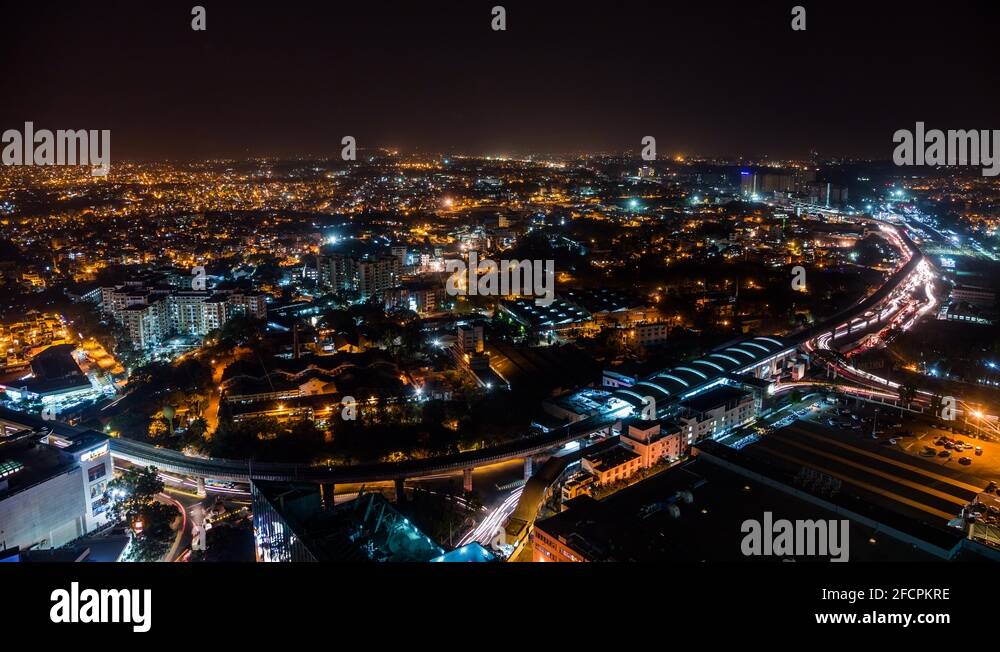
(653, 520)
(612, 458)
(687, 379)
(367, 528)
(713, 398)
(28, 462)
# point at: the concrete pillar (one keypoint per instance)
(528, 468)
(327, 492)
(198, 527)
(201, 487)
(467, 480)
(400, 490)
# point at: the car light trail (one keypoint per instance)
(485, 531)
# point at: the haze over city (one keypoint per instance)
(264, 80)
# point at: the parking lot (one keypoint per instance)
(985, 465)
(913, 436)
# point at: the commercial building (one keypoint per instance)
(55, 376)
(52, 482)
(654, 441)
(419, 296)
(694, 512)
(607, 305)
(580, 483)
(557, 317)
(974, 295)
(737, 363)
(716, 412)
(613, 465)
(298, 522)
(642, 445)
(470, 338)
(649, 334)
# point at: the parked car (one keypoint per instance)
(965, 460)
(944, 454)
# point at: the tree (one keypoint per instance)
(937, 404)
(238, 440)
(153, 539)
(133, 498)
(240, 331)
(131, 491)
(907, 392)
(195, 433)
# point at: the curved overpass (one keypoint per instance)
(872, 300)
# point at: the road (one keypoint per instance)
(182, 538)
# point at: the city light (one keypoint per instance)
(276, 336)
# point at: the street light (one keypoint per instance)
(978, 415)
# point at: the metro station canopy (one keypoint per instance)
(685, 380)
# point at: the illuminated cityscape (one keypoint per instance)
(353, 302)
(302, 318)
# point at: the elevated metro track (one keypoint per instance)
(243, 470)
(871, 301)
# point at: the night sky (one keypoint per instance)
(706, 78)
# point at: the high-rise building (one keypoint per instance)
(376, 275)
(367, 275)
(152, 314)
(334, 271)
(186, 317)
(213, 313)
(148, 324)
(249, 304)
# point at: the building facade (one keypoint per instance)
(52, 486)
